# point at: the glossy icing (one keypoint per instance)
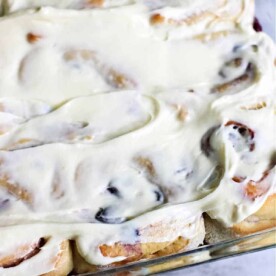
(161, 109)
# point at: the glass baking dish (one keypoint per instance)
(265, 12)
(204, 254)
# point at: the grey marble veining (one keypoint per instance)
(262, 263)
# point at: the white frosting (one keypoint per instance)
(106, 116)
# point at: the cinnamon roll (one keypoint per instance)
(131, 130)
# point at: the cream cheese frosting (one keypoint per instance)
(112, 119)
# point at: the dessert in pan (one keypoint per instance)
(131, 130)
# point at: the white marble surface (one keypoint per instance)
(266, 13)
(255, 264)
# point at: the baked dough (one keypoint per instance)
(45, 249)
(263, 219)
(122, 122)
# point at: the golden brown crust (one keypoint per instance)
(263, 219)
(145, 164)
(205, 37)
(132, 252)
(157, 19)
(81, 266)
(143, 250)
(176, 246)
(15, 190)
(112, 76)
(63, 262)
(33, 38)
(226, 86)
(119, 80)
(256, 106)
(95, 3)
(22, 253)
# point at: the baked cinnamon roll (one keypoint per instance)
(138, 239)
(127, 128)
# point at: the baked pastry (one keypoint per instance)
(132, 241)
(188, 13)
(263, 219)
(91, 65)
(131, 132)
(43, 256)
(15, 5)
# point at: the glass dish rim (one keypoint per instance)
(228, 248)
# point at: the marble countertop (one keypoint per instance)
(261, 263)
